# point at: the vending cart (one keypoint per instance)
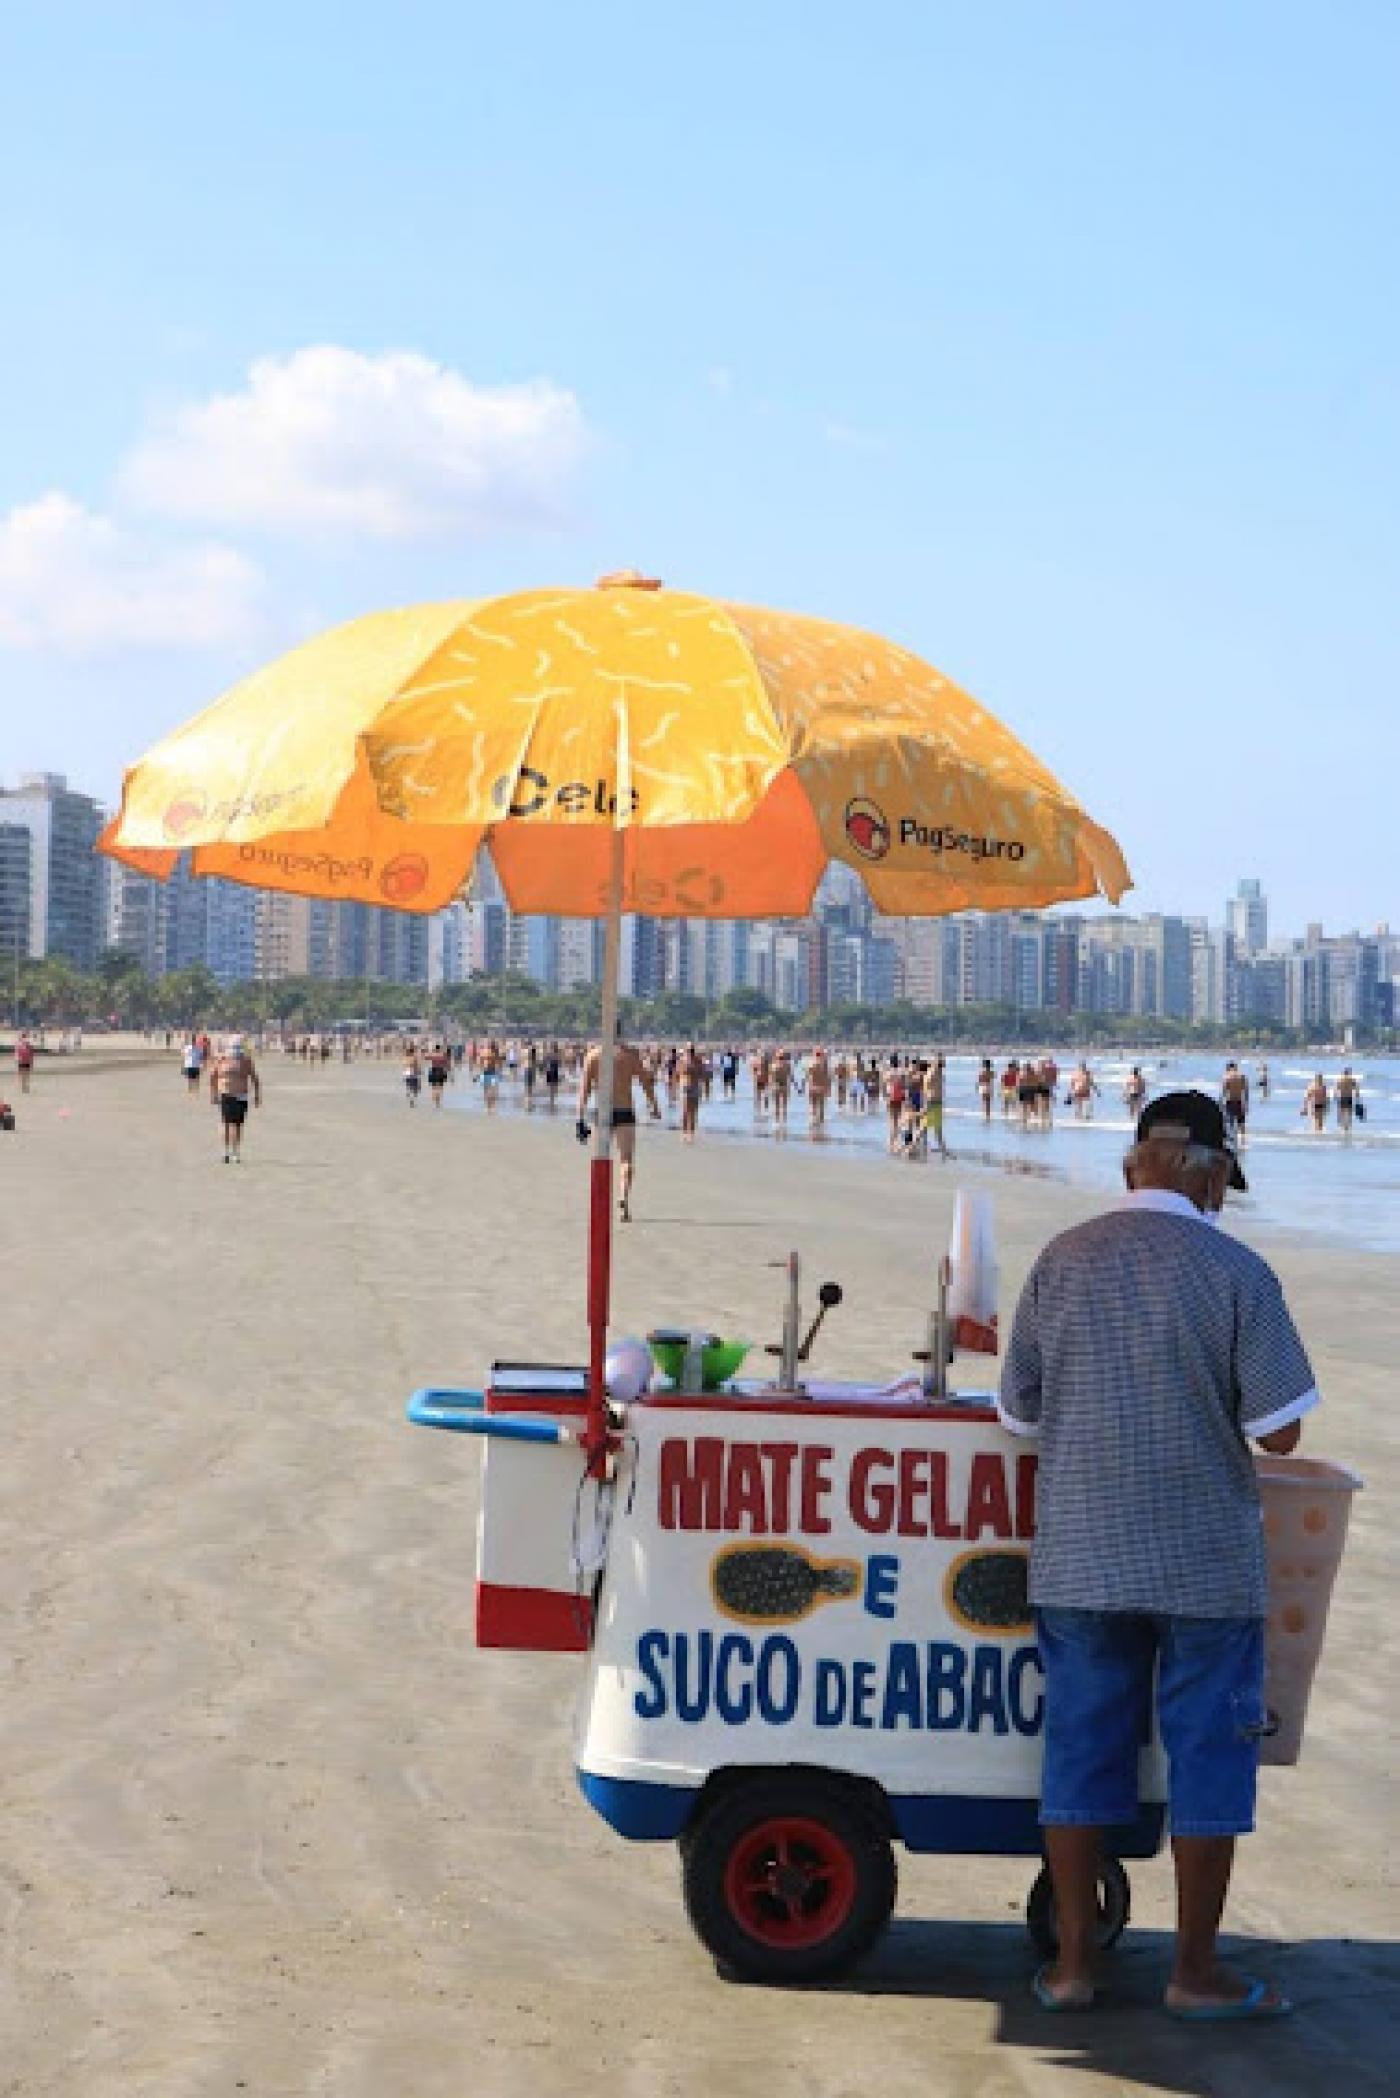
(803, 1618)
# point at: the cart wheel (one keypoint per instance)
(1114, 1907)
(788, 1879)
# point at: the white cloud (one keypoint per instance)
(74, 581)
(392, 447)
(850, 437)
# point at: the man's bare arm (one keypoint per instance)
(642, 1072)
(587, 1081)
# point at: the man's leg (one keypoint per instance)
(1073, 1854)
(1210, 1702)
(1203, 1865)
(1098, 1697)
(625, 1141)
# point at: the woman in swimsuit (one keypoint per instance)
(691, 1085)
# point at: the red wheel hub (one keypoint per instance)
(790, 1881)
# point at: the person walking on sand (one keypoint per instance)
(692, 1085)
(818, 1092)
(935, 1086)
(192, 1064)
(629, 1072)
(491, 1077)
(780, 1081)
(232, 1077)
(986, 1086)
(1315, 1103)
(759, 1065)
(24, 1059)
(552, 1075)
(1147, 1352)
(439, 1071)
(412, 1074)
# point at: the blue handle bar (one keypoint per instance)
(463, 1413)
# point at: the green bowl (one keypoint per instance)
(718, 1362)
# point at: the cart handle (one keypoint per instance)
(462, 1412)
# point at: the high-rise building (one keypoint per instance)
(230, 931)
(1247, 918)
(16, 890)
(67, 880)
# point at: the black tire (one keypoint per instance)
(788, 1878)
(1115, 1906)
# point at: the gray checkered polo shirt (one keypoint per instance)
(1147, 1344)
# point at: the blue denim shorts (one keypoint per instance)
(1100, 1670)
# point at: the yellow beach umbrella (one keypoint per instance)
(735, 751)
(627, 748)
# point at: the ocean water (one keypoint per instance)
(1346, 1189)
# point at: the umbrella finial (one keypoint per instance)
(628, 579)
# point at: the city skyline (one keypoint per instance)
(59, 897)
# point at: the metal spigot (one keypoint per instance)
(794, 1348)
(939, 1352)
(789, 1348)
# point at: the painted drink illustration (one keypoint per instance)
(987, 1591)
(778, 1583)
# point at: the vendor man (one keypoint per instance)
(1147, 1347)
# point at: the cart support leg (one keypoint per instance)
(601, 1175)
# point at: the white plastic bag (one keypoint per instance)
(972, 1275)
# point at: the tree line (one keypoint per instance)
(119, 992)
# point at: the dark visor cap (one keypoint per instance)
(1190, 1118)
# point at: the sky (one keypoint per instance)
(1056, 339)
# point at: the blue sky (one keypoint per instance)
(1057, 338)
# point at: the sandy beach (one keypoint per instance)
(272, 1825)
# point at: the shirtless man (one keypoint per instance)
(1348, 1093)
(780, 1079)
(759, 1066)
(691, 1076)
(818, 1091)
(232, 1077)
(935, 1090)
(1234, 1098)
(629, 1070)
(1081, 1092)
(1315, 1102)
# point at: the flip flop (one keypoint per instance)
(1255, 2004)
(1077, 1996)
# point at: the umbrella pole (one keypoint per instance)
(600, 1213)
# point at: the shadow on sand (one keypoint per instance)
(1343, 2037)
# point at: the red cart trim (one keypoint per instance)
(533, 1620)
(887, 1410)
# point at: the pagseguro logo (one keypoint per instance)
(184, 815)
(404, 878)
(867, 827)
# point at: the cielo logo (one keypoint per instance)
(183, 816)
(868, 828)
(404, 878)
